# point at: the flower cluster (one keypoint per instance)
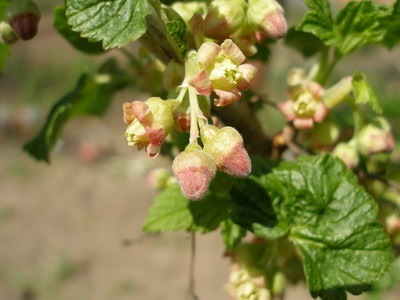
(223, 150)
(214, 68)
(305, 105)
(373, 138)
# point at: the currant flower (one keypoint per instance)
(225, 147)
(347, 152)
(194, 169)
(148, 123)
(305, 107)
(223, 72)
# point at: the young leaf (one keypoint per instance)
(171, 211)
(392, 26)
(318, 21)
(116, 23)
(364, 94)
(359, 24)
(91, 96)
(332, 222)
(74, 38)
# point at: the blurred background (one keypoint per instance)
(72, 229)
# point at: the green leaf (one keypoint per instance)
(392, 26)
(332, 222)
(115, 23)
(359, 24)
(364, 94)
(252, 209)
(74, 38)
(232, 233)
(91, 96)
(318, 21)
(171, 211)
(306, 43)
(390, 280)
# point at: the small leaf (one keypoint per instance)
(318, 21)
(392, 26)
(74, 38)
(364, 94)
(332, 222)
(116, 23)
(359, 24)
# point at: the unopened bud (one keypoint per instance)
(375, 137)
(7, 34)
(347, 152)
(268, 16)
(24, 17)
(224, 17)
(225, 147)
(194, 170)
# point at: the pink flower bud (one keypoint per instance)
(24, 17)
(224, 18)
(149, 123)
(194, 170)
(375, 137)
(347, 152)
(225, 147)
(267, 16)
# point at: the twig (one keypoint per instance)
(191, 292)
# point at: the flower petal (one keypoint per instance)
(233, 52)
(208, 52)
(287, 109)
(248, 72)
(153, 151)
(128, 114)
(227, 97)
(142, 112)
(201, 83)
(321, 112)
(156, 136)
(303, 123)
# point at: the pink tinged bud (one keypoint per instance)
(224, 17)
(371, 140)
(194, 170)
(24, 17)
(274, 25)
(267, 16)
(348, 154)
(226, 148)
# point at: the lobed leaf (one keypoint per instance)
(364, 94)
(318, 21)
(74, 38)
(115, 23)
(306, 43)
(231, 233)
(392, 26)
(332, 222)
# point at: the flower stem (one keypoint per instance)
(194, 109)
